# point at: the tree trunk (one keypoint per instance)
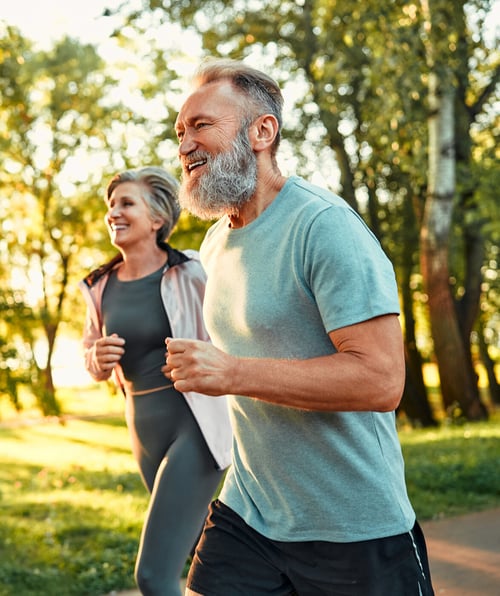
(415, 401)
(468, 306)
(458, 385)
(45, 389)
(489, 365)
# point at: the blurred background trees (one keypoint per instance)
(393, 105)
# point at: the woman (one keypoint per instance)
(148, 292)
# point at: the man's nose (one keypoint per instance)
(187, 145)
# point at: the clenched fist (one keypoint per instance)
(108, 351)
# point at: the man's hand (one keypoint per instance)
(108, 351)
(195, 365)
(366, 373)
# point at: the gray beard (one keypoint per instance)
(229, 182)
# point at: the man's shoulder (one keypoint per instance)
(315, 192)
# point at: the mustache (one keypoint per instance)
(227, 182)
(187, 160)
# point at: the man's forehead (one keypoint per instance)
(210, 100)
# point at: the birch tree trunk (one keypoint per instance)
(458, 387)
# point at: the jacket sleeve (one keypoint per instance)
(90, 335)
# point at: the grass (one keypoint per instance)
(453, 469)
(72, 504)
(71, 500)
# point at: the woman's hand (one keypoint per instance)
(108, 351)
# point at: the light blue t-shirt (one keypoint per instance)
(306, 266)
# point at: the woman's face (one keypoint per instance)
(128, 218)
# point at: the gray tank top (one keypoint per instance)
(135, 311)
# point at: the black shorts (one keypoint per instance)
(232, 559)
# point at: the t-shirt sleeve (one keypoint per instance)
(350, 276)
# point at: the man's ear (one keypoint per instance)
(263, 131)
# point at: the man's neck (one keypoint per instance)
(266, 192)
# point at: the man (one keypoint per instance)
(302, 307)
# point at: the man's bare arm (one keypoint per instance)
(367, 372)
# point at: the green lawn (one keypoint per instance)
(453, 469)
(72, 504)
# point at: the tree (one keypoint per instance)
(452, 319)
(54, 118)
(68, 122)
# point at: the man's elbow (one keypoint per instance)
(388, 391)
(390, 401)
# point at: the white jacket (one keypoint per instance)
(182, 291)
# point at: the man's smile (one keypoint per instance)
(191, 166)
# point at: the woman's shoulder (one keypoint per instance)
(94, 276)
(185, 263)
(177, 256)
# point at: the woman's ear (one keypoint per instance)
(263, 131)
(156, 223)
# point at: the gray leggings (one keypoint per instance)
(179, 472)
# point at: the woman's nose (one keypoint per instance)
(113, 211)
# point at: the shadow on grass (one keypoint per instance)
(96, 443)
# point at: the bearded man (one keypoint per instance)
(302, 308)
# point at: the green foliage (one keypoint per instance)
(16, 360)
(50, 113)
(189, 232)
(62, 131)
